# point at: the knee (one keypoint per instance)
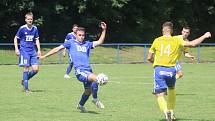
(36, 70)
(87, 91)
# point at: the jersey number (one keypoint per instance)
(165, 50)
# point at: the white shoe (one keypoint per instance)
(66, 76)
(82, 108)
(98, 103)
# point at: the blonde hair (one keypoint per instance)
(29, 14)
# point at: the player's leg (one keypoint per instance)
(171, 94)
(35, 66)
(25, 78)
(84, 98)
(68, 70)
(179, 72)
(162, 77)
(33, 72)
(24, 61)
(82, 76)
(94, 86)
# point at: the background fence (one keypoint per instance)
(109, 53)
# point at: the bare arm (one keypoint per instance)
(197, 41)
(150, 57)
(52, 52)
(64, 52)
(102, 37)
(188, 55)
(38, 47)
(15, 41)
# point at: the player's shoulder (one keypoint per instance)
(178, 37)
(23, 26)
(33, 26)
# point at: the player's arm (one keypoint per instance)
(64, 52)
(150, 57)
(15, 41)
(38, 46)
(188, 55)
(52, 52)
(102, 36)
(197, 41)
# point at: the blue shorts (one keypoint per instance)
(28, 59)
(82, 76)
(178, 66)
(164, 77)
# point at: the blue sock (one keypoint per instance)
(31, 74)
(84, 99)
(69, 68)
(25, 79)
(94, 88)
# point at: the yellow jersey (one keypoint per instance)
(167, 50)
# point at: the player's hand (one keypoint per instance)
(17, 52)
(40, 57)
(38, 53)
(103, 25)
(207, 35)
(192, 58)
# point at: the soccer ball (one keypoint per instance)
(102, 79)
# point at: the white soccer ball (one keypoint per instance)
(102, 79)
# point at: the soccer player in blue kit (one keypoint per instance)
(69, 36)
(28, 36)
(79, 51)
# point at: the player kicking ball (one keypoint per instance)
(79, 51)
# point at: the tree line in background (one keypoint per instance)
(133, 21)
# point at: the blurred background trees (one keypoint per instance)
(133, 21)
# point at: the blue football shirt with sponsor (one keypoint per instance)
(27, 37)
(79, 52)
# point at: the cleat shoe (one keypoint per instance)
(98, 103)
(82, 109)
(168, 116)
(27, 91)
(66, 76)
(173, 117)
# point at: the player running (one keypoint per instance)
(164, 53)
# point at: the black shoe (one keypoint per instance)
(168, 116)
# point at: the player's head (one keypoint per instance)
(74, 27)
(29, 18)
(167, 28)
(80, 34)
(185, 31)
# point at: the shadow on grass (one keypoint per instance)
(185, 119)
(38, 90)
(90, 112)
(185, 94)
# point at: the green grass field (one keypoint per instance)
(127, 97)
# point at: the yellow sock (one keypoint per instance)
(162, 103)
(171, 99)
(177, 76)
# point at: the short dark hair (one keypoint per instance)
(81, 29)
(187, 27)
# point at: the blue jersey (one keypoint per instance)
(27, 37)
(79, 52)
(70, 36)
